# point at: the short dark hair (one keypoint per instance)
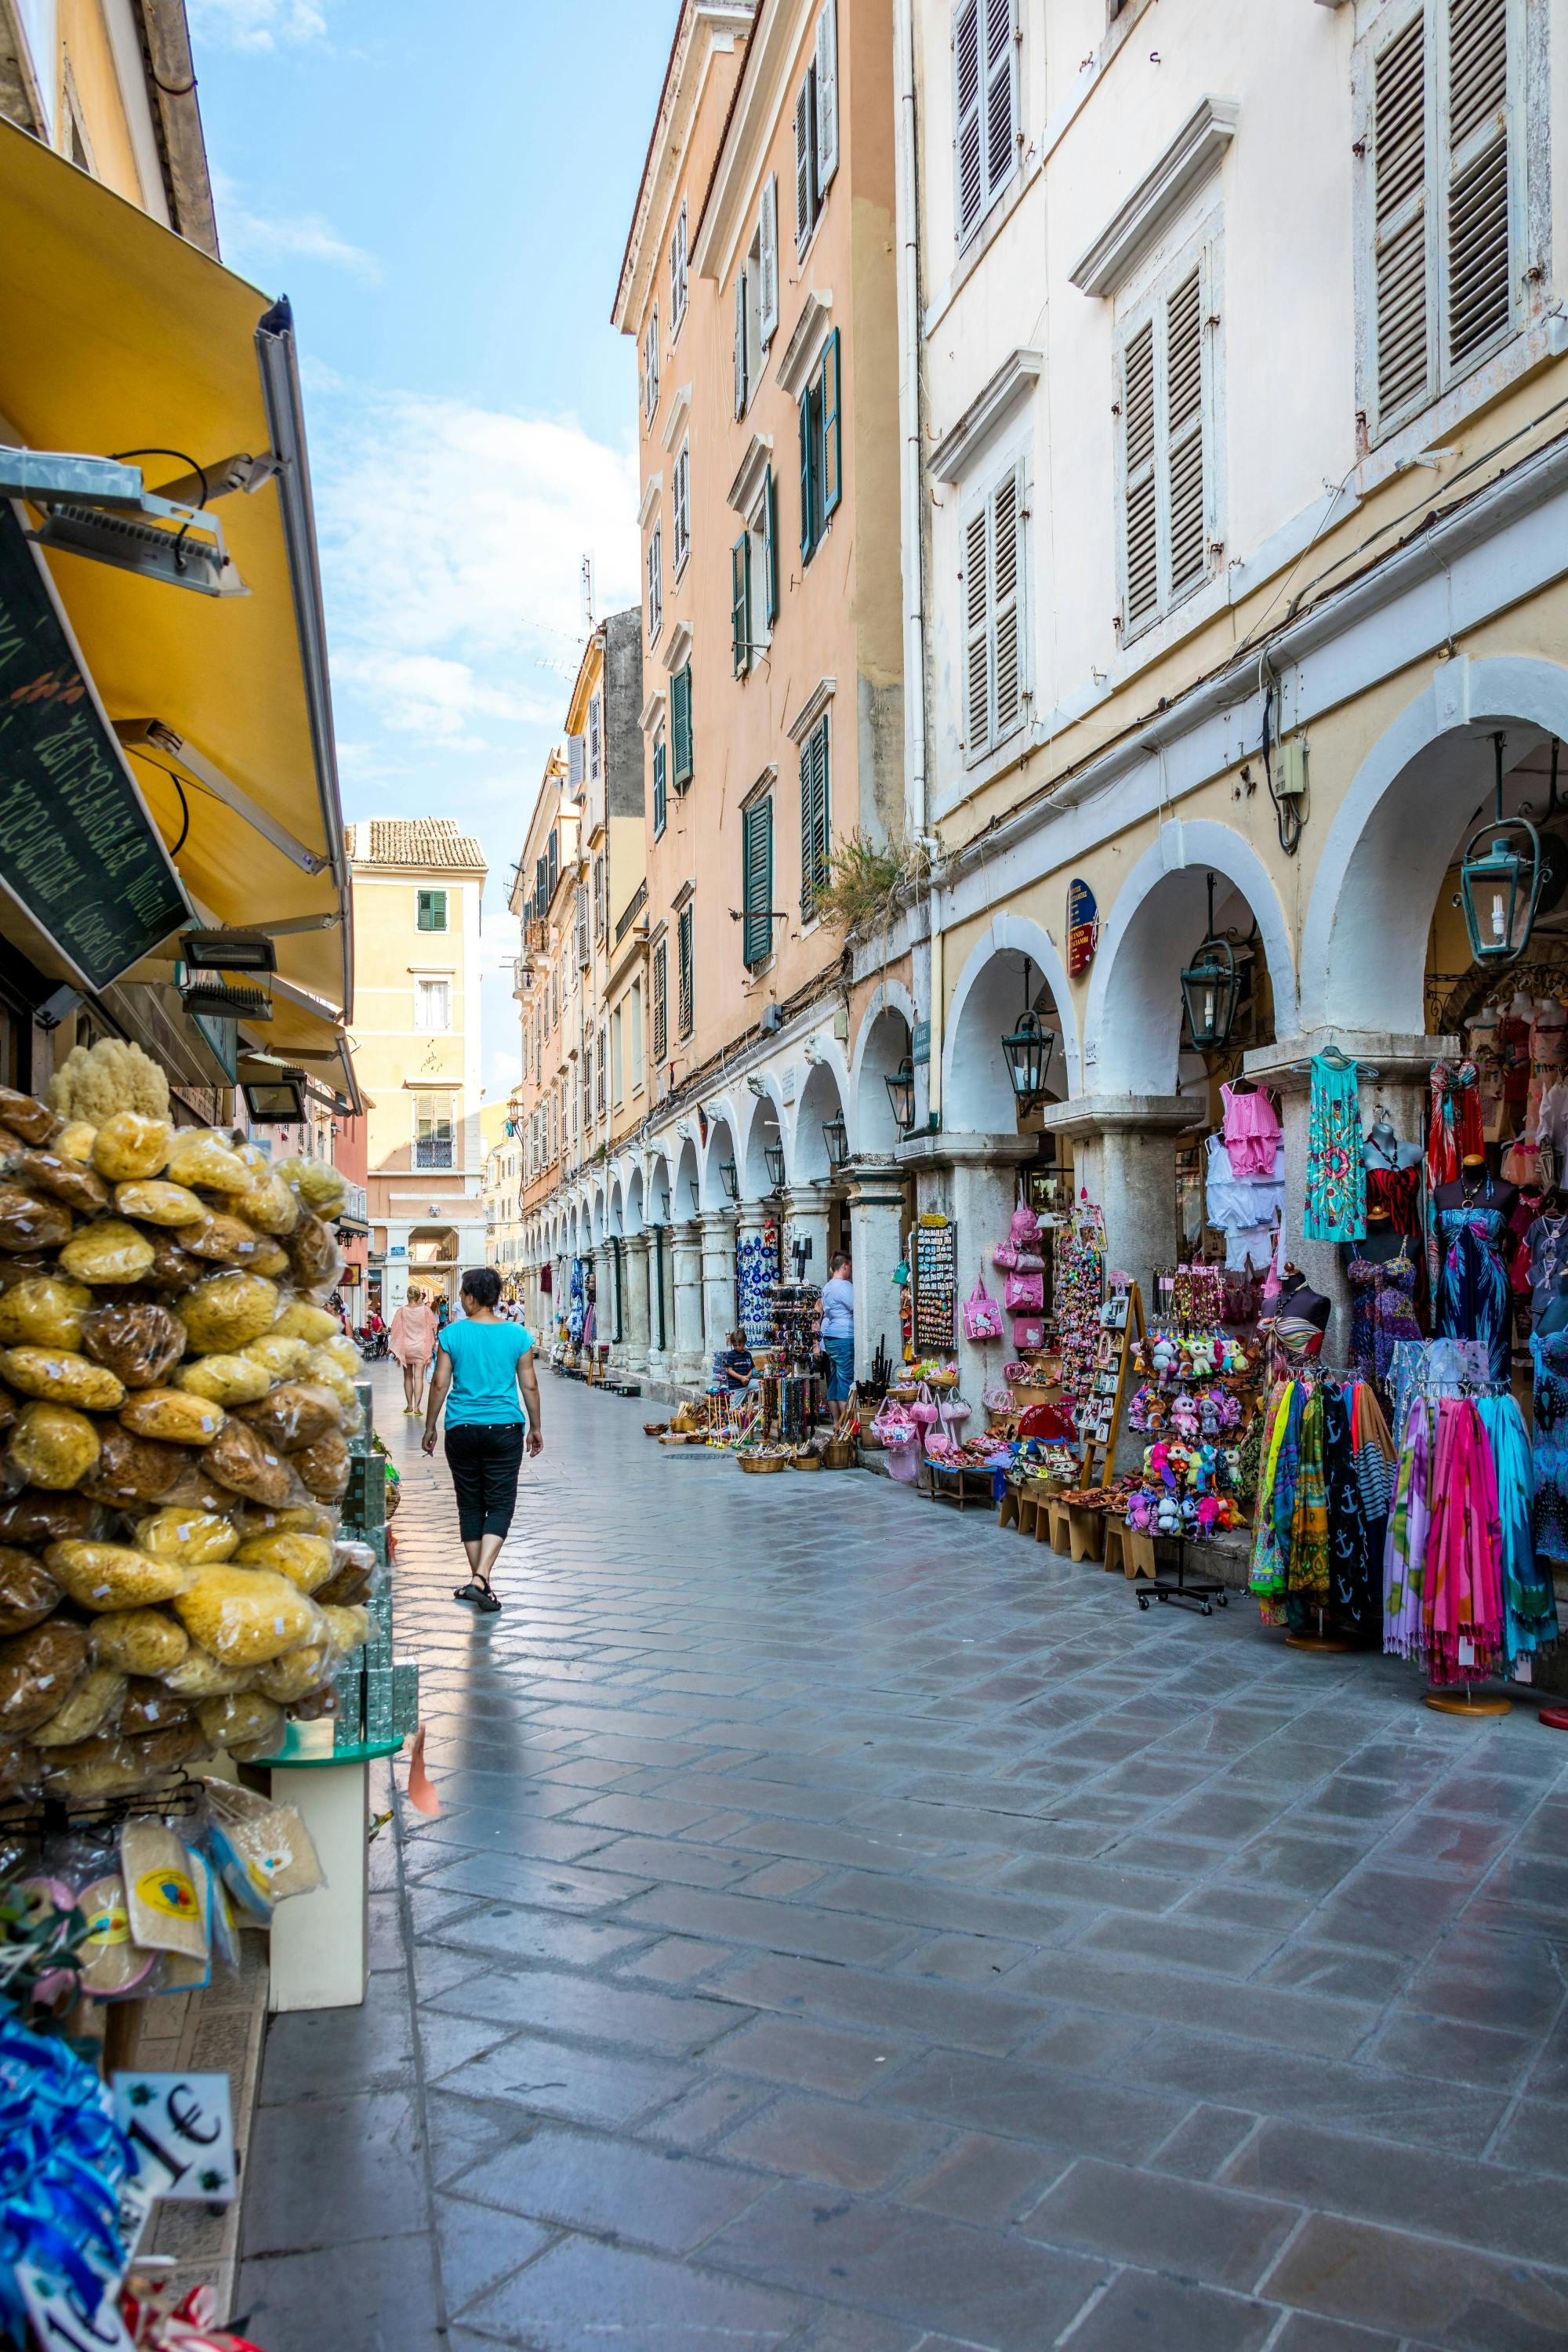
(840, 1257)
(482, 1285)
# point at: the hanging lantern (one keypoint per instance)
(902, 1095)
(835, 1136)
(730, 1176)
(1500, 885)
(1028, 1049)
(1210, 987)
(773, 1154)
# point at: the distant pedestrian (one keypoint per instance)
(485, 1377)
(837, 1313)
(412, 1340)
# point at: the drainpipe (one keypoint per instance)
(912, 495)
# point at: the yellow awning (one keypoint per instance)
(116, 335)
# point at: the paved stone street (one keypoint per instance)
(850, 1926)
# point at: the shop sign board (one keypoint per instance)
(919, 1042)
(1083, 927)
(182, 2127)
(78, 852)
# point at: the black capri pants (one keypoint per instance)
(485, 1457)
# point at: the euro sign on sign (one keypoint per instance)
(1083, 928)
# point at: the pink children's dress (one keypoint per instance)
(1251, 1133)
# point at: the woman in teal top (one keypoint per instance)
(484, 1378)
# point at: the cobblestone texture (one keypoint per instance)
(850, 1930)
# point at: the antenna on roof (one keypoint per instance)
(588, 593)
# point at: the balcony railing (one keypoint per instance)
(355, 1204)
(434, 1151)
(639, 900)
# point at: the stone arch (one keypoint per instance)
(977, 1094)
(686, 1197)
(885, 1037)
(614, 1217)
(764, 1124)
(597, 1216)
(722, 1129)
(634, 1201)
(657, 1191)
(1132, 1022)
(1397, 829)
(821, 1095)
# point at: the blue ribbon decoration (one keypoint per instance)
(63, 2162)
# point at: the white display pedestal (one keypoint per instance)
(320, 1941)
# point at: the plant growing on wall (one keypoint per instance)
(869, 881)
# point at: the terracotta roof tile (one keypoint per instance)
(422, 841)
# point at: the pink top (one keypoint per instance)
(1251, 1133)
(412, 1339)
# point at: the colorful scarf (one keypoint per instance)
(1464, 1594)
(1307, 1566)
(1266, 1575)
(1405, 1552)
(1528, 1602)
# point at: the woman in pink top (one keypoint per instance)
(1251, 1132)
(412, 1340)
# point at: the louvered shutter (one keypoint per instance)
(977, 634)
(757, 881)
(768, 261)
(1401, 205)
(804, 167)
(813, 819)
(1186, 524)
(771, 545)
(968, 138)
(828, 95)
(740, 342)
(661, 804)
(1480, 275)
(832, 433)
(808, 478)
(1001, 94)
(662, 1001)
(688, 977)
(554, 858)
(1141, 531)
(576, 765)
(582, 922)
(681, 727)
(740, 619)
(1006, 604)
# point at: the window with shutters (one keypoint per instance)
(617, 1059)
(599, 896)
(596, 736)
(754, 580)
(635, 1022)
(994, 580)
(660, 783)
(433, 1004)
(599, 1084)
(1167, 356)
(686, 1009)
(988, 134)
(681, 507)
(821, 449)
(816, 127)
(655, 583)
(815, 819)
(680, 768)
(677, 273)
(581, 923)
(651, 367)
(431, 913)
(1445, 156)
(757, 881)
(660, 1001)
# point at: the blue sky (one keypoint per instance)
(443, 192)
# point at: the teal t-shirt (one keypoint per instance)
(484, 1358)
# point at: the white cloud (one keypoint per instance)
(260, 241)
(259, 24)
(505, 1070)
(425, 694)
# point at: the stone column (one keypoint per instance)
(1125, 1160)
(974, 1179)
(805, 1217)
(876, 1246)
(717, 1228)
(660, 1323)
(751, 1218)
(690, 1367)
(634, 1300)
(1403, 1066)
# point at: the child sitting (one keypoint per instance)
(736, 1363)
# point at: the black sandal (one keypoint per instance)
(482, 1596)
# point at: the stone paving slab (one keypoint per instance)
(850, 1928)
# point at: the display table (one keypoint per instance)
(320, 1941)
(960, 1484)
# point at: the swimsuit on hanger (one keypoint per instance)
(1252, 1133)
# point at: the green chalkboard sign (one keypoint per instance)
(78, 852)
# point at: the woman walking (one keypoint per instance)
(412, 1340)
(485, 1377)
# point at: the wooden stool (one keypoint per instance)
(1059, 1525)
(1137, 1555)
(1116, 1545)
(1007, 1510)
(1028, 1515)
(1086, 1531)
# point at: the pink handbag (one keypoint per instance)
(924, 1409)
(981, 1315)
(1004, 1255)
(953, 1410)
(1029, 1331)
(1025, 1290)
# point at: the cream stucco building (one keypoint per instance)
(417, 887)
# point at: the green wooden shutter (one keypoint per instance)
(660, 809)
(757, 881)
(807, 496)
(771, 546)
(681, 727)
(813, 819)
(740, 603)
(662, 1001)
(687, 1006)
(831, 467)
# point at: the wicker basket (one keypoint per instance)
(839, 1454)
(758, 1464)
(654, 1428)
(806, 1462)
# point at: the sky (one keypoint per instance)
(443, 188)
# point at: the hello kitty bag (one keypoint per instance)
(981, 1315)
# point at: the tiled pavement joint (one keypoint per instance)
(849, 1929)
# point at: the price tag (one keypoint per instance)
(58, 2320)
(1467, 1651)
(1524, 1669)
(182, 2128)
